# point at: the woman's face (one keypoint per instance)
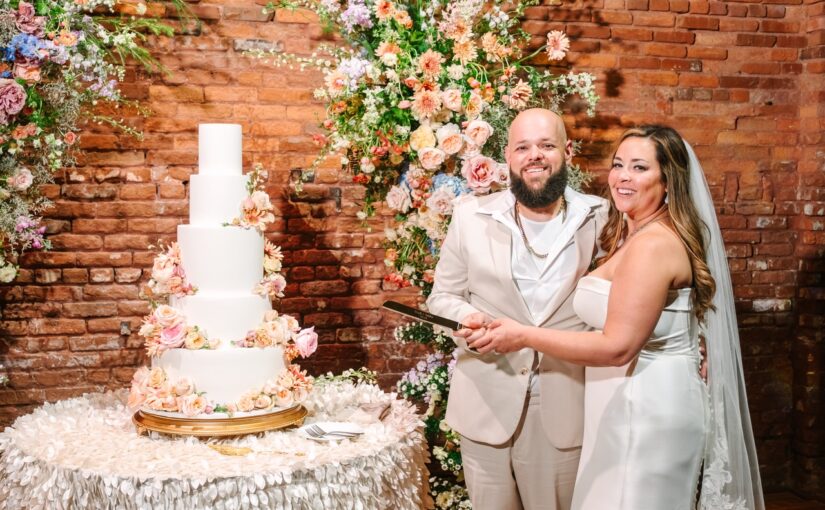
(635, 178)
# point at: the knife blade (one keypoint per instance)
(421, 315)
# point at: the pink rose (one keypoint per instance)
(441, 201)
(307, 342)
(163, 268)
(452, 99)
(481, 172)
(192, 405)
(263, 402)
(26, 20)
(284, 398)
(173, 336)
(449, 138)
(503, 175)
(183, 387)
(21, 179)
(430, 158)
(398, 198)
(478, 131)
(166, 316)
(246, 403)
(12, 99)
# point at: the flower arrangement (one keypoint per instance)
(418, 105)
(273, 282)
(153, 388)
(168, 276)
(166, 328)
(58, 60)
(256, 209)
(283, 330)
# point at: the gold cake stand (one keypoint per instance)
(219, 427)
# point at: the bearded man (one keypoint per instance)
(519, 254)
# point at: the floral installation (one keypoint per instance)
(168, 276)
(256, 210)
(418, 105)
(418, 102)
(166, 328)
(153, 388)
(60, 60)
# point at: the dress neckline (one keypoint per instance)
(610, 282)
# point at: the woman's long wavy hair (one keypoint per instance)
(675, 164)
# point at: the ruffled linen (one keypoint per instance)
(85, 453)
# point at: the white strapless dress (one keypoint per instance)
(645, 423)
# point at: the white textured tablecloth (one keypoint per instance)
(84, 453)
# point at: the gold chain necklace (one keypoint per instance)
(562, 208)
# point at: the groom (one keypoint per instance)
(519, 254)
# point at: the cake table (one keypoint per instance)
(85, 453)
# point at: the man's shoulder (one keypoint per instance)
(470, 204)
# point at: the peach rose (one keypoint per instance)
(263, 402)
(478, 131)
(475, 105)
(194, 340)
(192, 405)
(157, 378)
(183, 387)
(431, 158)
(480, 172)
(166, 316)
(284, 398)
(449, 138)
(421, 138)
(451, 99)
(246, 403)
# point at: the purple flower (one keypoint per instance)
(12, 99)
(357, 14)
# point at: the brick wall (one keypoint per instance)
(743, 81)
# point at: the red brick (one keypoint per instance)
(738, 25)
(665, 50)
(773, 26)
(654, 19)
(755, 40)
(637, 5)
(698, 23)
(669, 36)
(632, 34)
(699, 7)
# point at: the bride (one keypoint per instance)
(653, 428)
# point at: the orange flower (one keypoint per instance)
(66, 38)
(384, 9)
(465, 51)
(402, 17)
(426, 103)
(387, 47)
(429, 63)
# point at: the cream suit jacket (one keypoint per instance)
(474, 275)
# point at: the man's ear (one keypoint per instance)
(568, 151)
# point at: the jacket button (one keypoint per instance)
(525, 371)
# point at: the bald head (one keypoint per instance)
(537, 122)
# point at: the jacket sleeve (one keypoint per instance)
(450, 296)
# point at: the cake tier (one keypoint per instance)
(222, 259)
(225, 375)
(216, 199)
(220, 149)
(223, 316)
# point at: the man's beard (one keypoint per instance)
(531, 198)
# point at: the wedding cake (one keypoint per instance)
(217, 347)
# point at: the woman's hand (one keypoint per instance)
(502, 336)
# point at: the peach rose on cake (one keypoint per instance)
(431, 158)
(192, 405)
(284, 398)
(183, 386)
(166, 316)
(194, 339)
(276, 332)
(290, 323)
(157, 378)
(246, 403)
(449, 138)
(263, 402)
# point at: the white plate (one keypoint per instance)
(329, 426)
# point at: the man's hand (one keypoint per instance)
(502, 336)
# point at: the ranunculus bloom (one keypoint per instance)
(398, 198)
(431, 158)
(422, 137)
(480, 172)
(449, 138)
(306, 341)
(194, 340)
(478, 131)
(12, 99)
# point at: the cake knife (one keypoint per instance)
(422, 315)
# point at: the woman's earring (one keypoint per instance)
(666, 198)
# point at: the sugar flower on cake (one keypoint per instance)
(168, 277)
(165, 328)
(256, 210)
(273, 283)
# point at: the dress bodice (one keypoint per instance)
(674, 333)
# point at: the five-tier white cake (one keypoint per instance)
(217, 347)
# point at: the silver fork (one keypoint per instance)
(317, 432)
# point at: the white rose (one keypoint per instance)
(398, 198)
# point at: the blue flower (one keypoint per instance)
(24, 44)
(455, 184)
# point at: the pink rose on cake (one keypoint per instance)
(306, 341)
(272, 285)
(173, 336)
(256, 211)
(165, 316)
(264, 402)
(168, 276)
(183, 387)
(192, 405)
(284, 398)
